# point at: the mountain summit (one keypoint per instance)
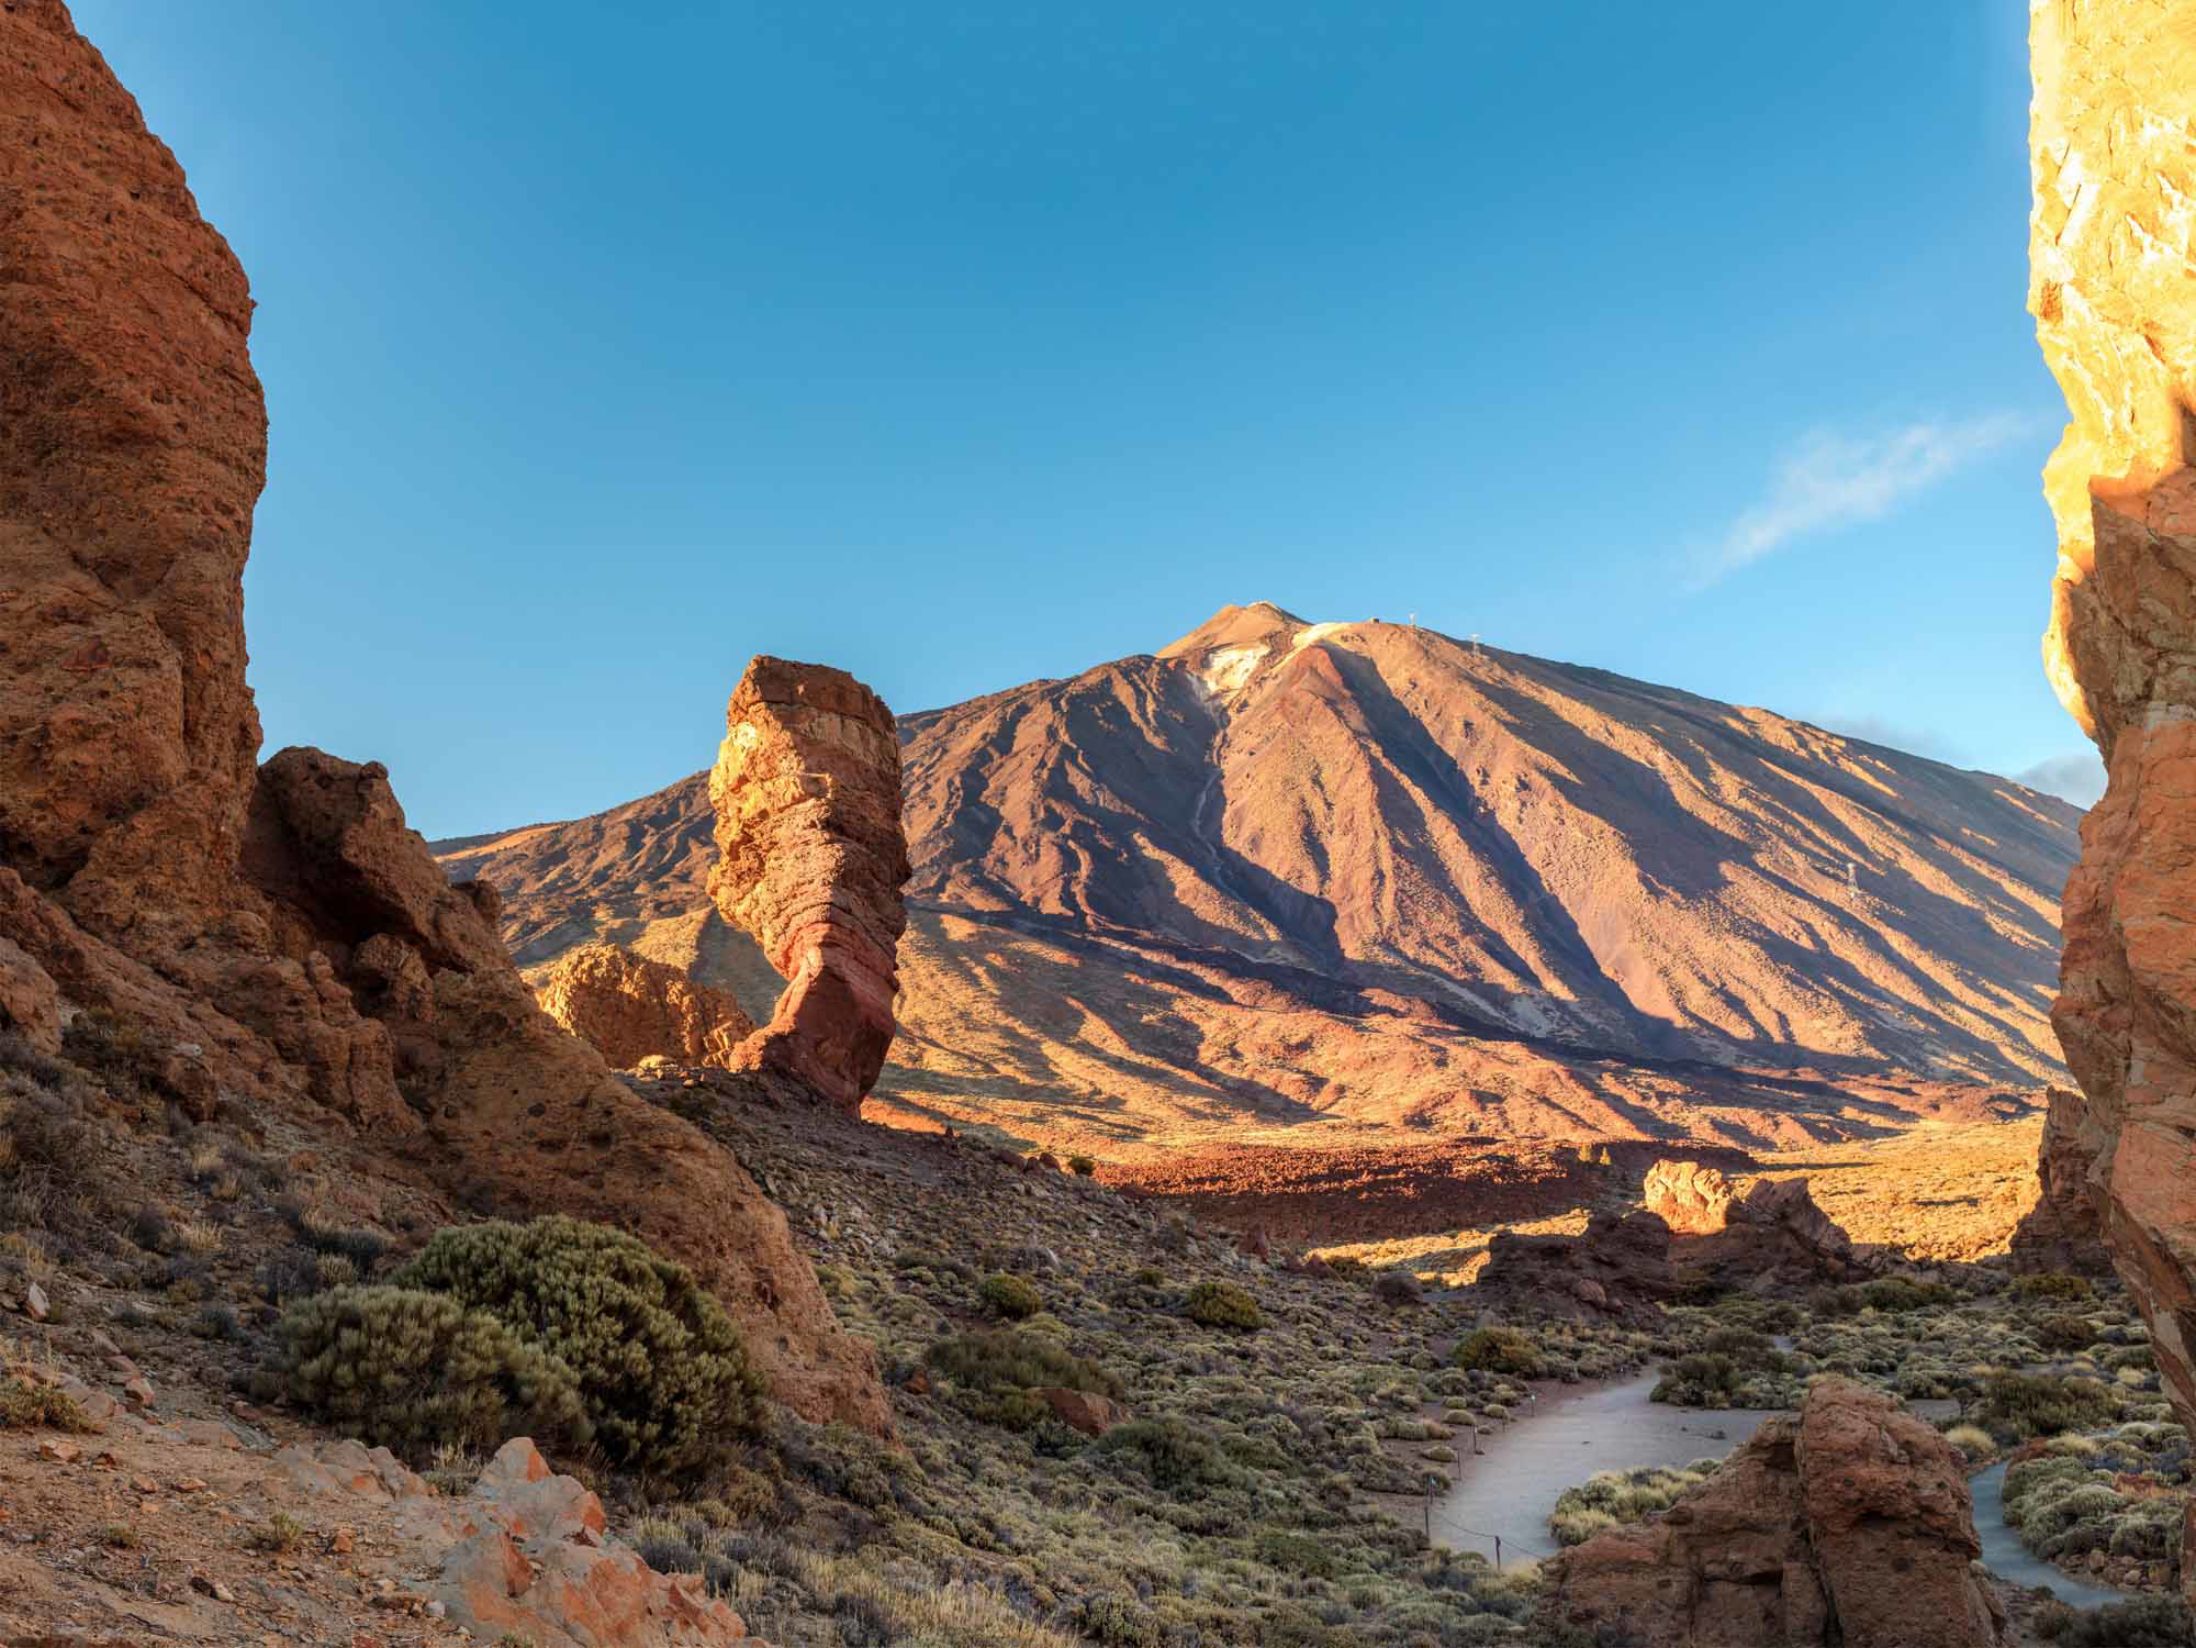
(1364, 876)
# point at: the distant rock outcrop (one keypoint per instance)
(1772, 1237)
(2112, 247)
(1618, 1270)
(633, 1008)
(275, 936)
(811, 860)
(1692, 1198)
(1849, 1525)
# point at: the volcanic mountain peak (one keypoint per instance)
(1363, 875)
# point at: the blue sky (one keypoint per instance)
(962, 344)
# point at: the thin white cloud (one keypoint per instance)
(1831, 480)
(2076, 778)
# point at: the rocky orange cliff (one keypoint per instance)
(1290, 881)
(276, 938)
(2112, 250)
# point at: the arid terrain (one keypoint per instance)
(1347, 886)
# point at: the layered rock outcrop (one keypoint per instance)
(2113, 290)
(133, 445)
(633, 1008)
(811, 861)
(277, 935)
(1848, 1525)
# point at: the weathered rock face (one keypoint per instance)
(132, 448)
(1690, 1197)
(1619, 1269)
(1772, 1237)
(811, 860)
(525, 1556)
(1849, 1525)
(2113, 231)
(633, 1008)
(2062, 1231)
(278, 937)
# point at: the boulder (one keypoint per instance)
(1617, 1270)
(811, 861)
(527, 1555)
(1084, 1411)
(633, 1008)
(2112, 245)
(1692, 1198)
(1848, 1525)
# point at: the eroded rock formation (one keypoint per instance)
(1848, 1525)
(1690, 1197)
(2113, 234)
(811, 860)
(1772, 1237)
(633, 1008)
(1619, 1270)
(275, 936)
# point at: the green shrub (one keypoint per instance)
(996, 1371)
(2017, 1406)
(1171, 1452)
(27, 1406)
(2065, 1332)
(416, 1371)
(1223, 1305)
(1082, 1166)
(1610, 1498)
(2147, 1622)
(1499, 1350)
(2052, 1284)
(664, 1375)
(1296, 1553)
(1893, 1295)
(1010, 1296)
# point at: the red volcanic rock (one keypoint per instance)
(1084, 1411)
(2062, 1231)
(1619, 1269)
(1692, 1198)
(1850, 1525)
(273, 936)
(633, 1008)
(1774, 1236)
(806, 792)
(2111, 248)
(132, 448)
(328, 843)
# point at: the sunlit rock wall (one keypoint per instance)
(2113, 289)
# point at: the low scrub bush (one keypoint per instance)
(2016, 1406)
(1612, 1497)
(2052, 1284)
(1173, 1453)
(1499, 1350)
(1009, 1296)
(416, 1371)
(663, 1374)
(1223, 1305)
